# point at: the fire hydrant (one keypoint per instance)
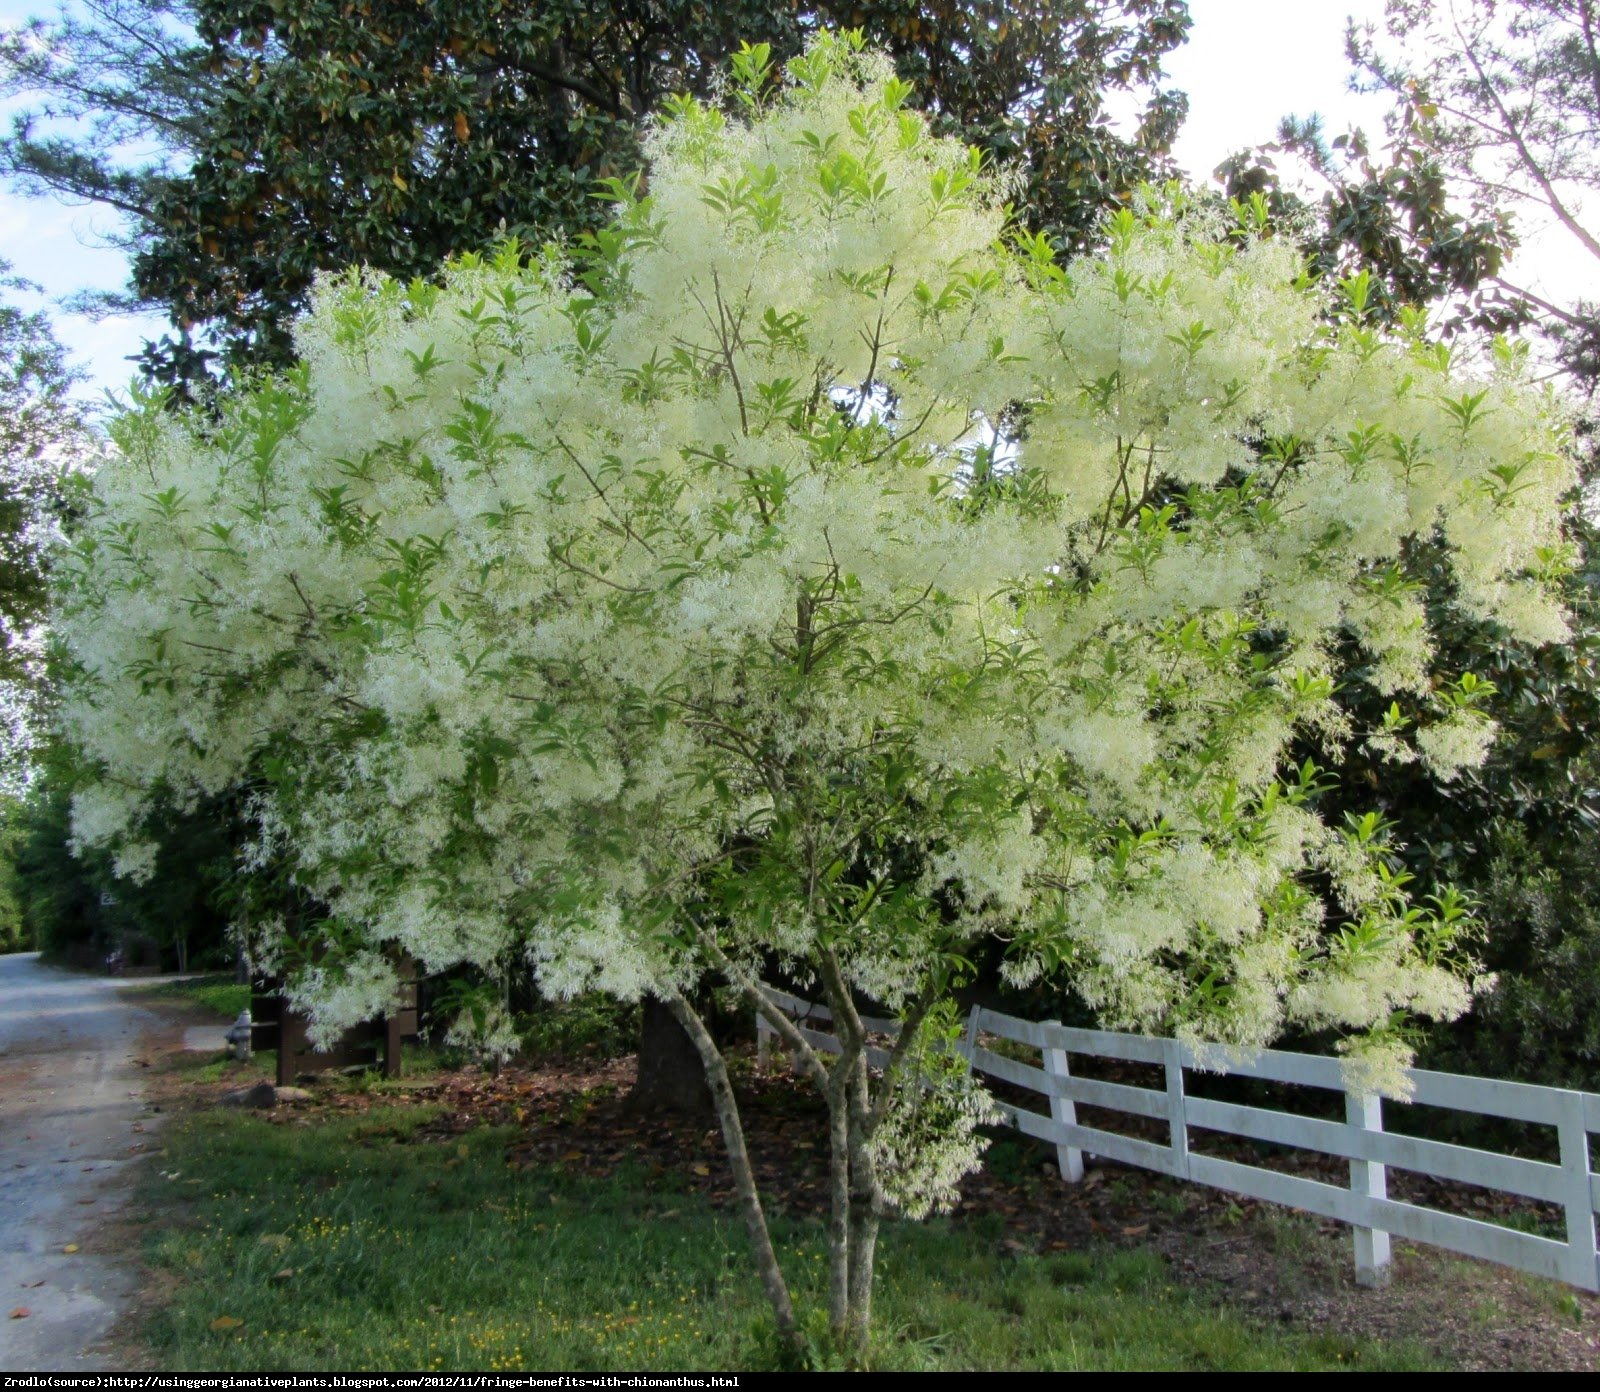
(239, 1036)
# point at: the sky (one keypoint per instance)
(1247, 64)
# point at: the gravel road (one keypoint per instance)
(71, 1124)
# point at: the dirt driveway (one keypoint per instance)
(71, 1123)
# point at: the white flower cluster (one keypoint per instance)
(930, 1140)
(578, 611)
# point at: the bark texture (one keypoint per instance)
(744, 1179)
(671, 1076)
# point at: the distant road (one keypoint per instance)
(69, 1105)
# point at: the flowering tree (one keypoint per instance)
(808, 571)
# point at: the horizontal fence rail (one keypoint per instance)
(1360, 1139)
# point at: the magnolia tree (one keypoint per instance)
(809, 573)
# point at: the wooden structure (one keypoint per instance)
(372, 1044)
(1570, 1184)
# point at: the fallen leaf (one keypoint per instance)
(21, 1312)
(275, 1240)
(226, 1322)
(1139, 1231)
(287, 1274)
(701, 1170)
(571, 1157)
(70, 1248)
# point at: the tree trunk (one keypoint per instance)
(839, 1217)
(744, 1178)
(864, 1215)
(671, 1076)
(863, 1254)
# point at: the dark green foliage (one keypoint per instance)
(1392, 216)
(300, 135)
(1519, 834)
(594, 1026)
(1541, 1023)
(1540, 774)
(14, 934)
(77, 910)
(42, 435)
(58, 897)
(41, 431)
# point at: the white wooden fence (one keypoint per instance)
(1360, 1139)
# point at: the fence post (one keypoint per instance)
(1583, 1269)
(1178, 1123)
(1069, 1159)
(765, 1036)
(1364, 1112)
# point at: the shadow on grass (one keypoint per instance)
(316, 1242)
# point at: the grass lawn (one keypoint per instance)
(218, 992)
(324, 1239)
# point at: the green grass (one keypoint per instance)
(219, 993)
(339, 1242)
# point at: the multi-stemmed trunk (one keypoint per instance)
(855, 1110)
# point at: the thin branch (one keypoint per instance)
(561, 558)
(781, 1024)
(910, 1027)
(1530, 163)
(599, 492)
(556, 78)
(1555, 311)
(1586, 12)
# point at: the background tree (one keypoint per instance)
(299, 136)
(1504, 96)
(1390, 213)
(661, 616)
(67, 902)
(1492, 132)
(43, 439)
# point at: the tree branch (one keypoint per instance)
(1530, 164)
(556, 78)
